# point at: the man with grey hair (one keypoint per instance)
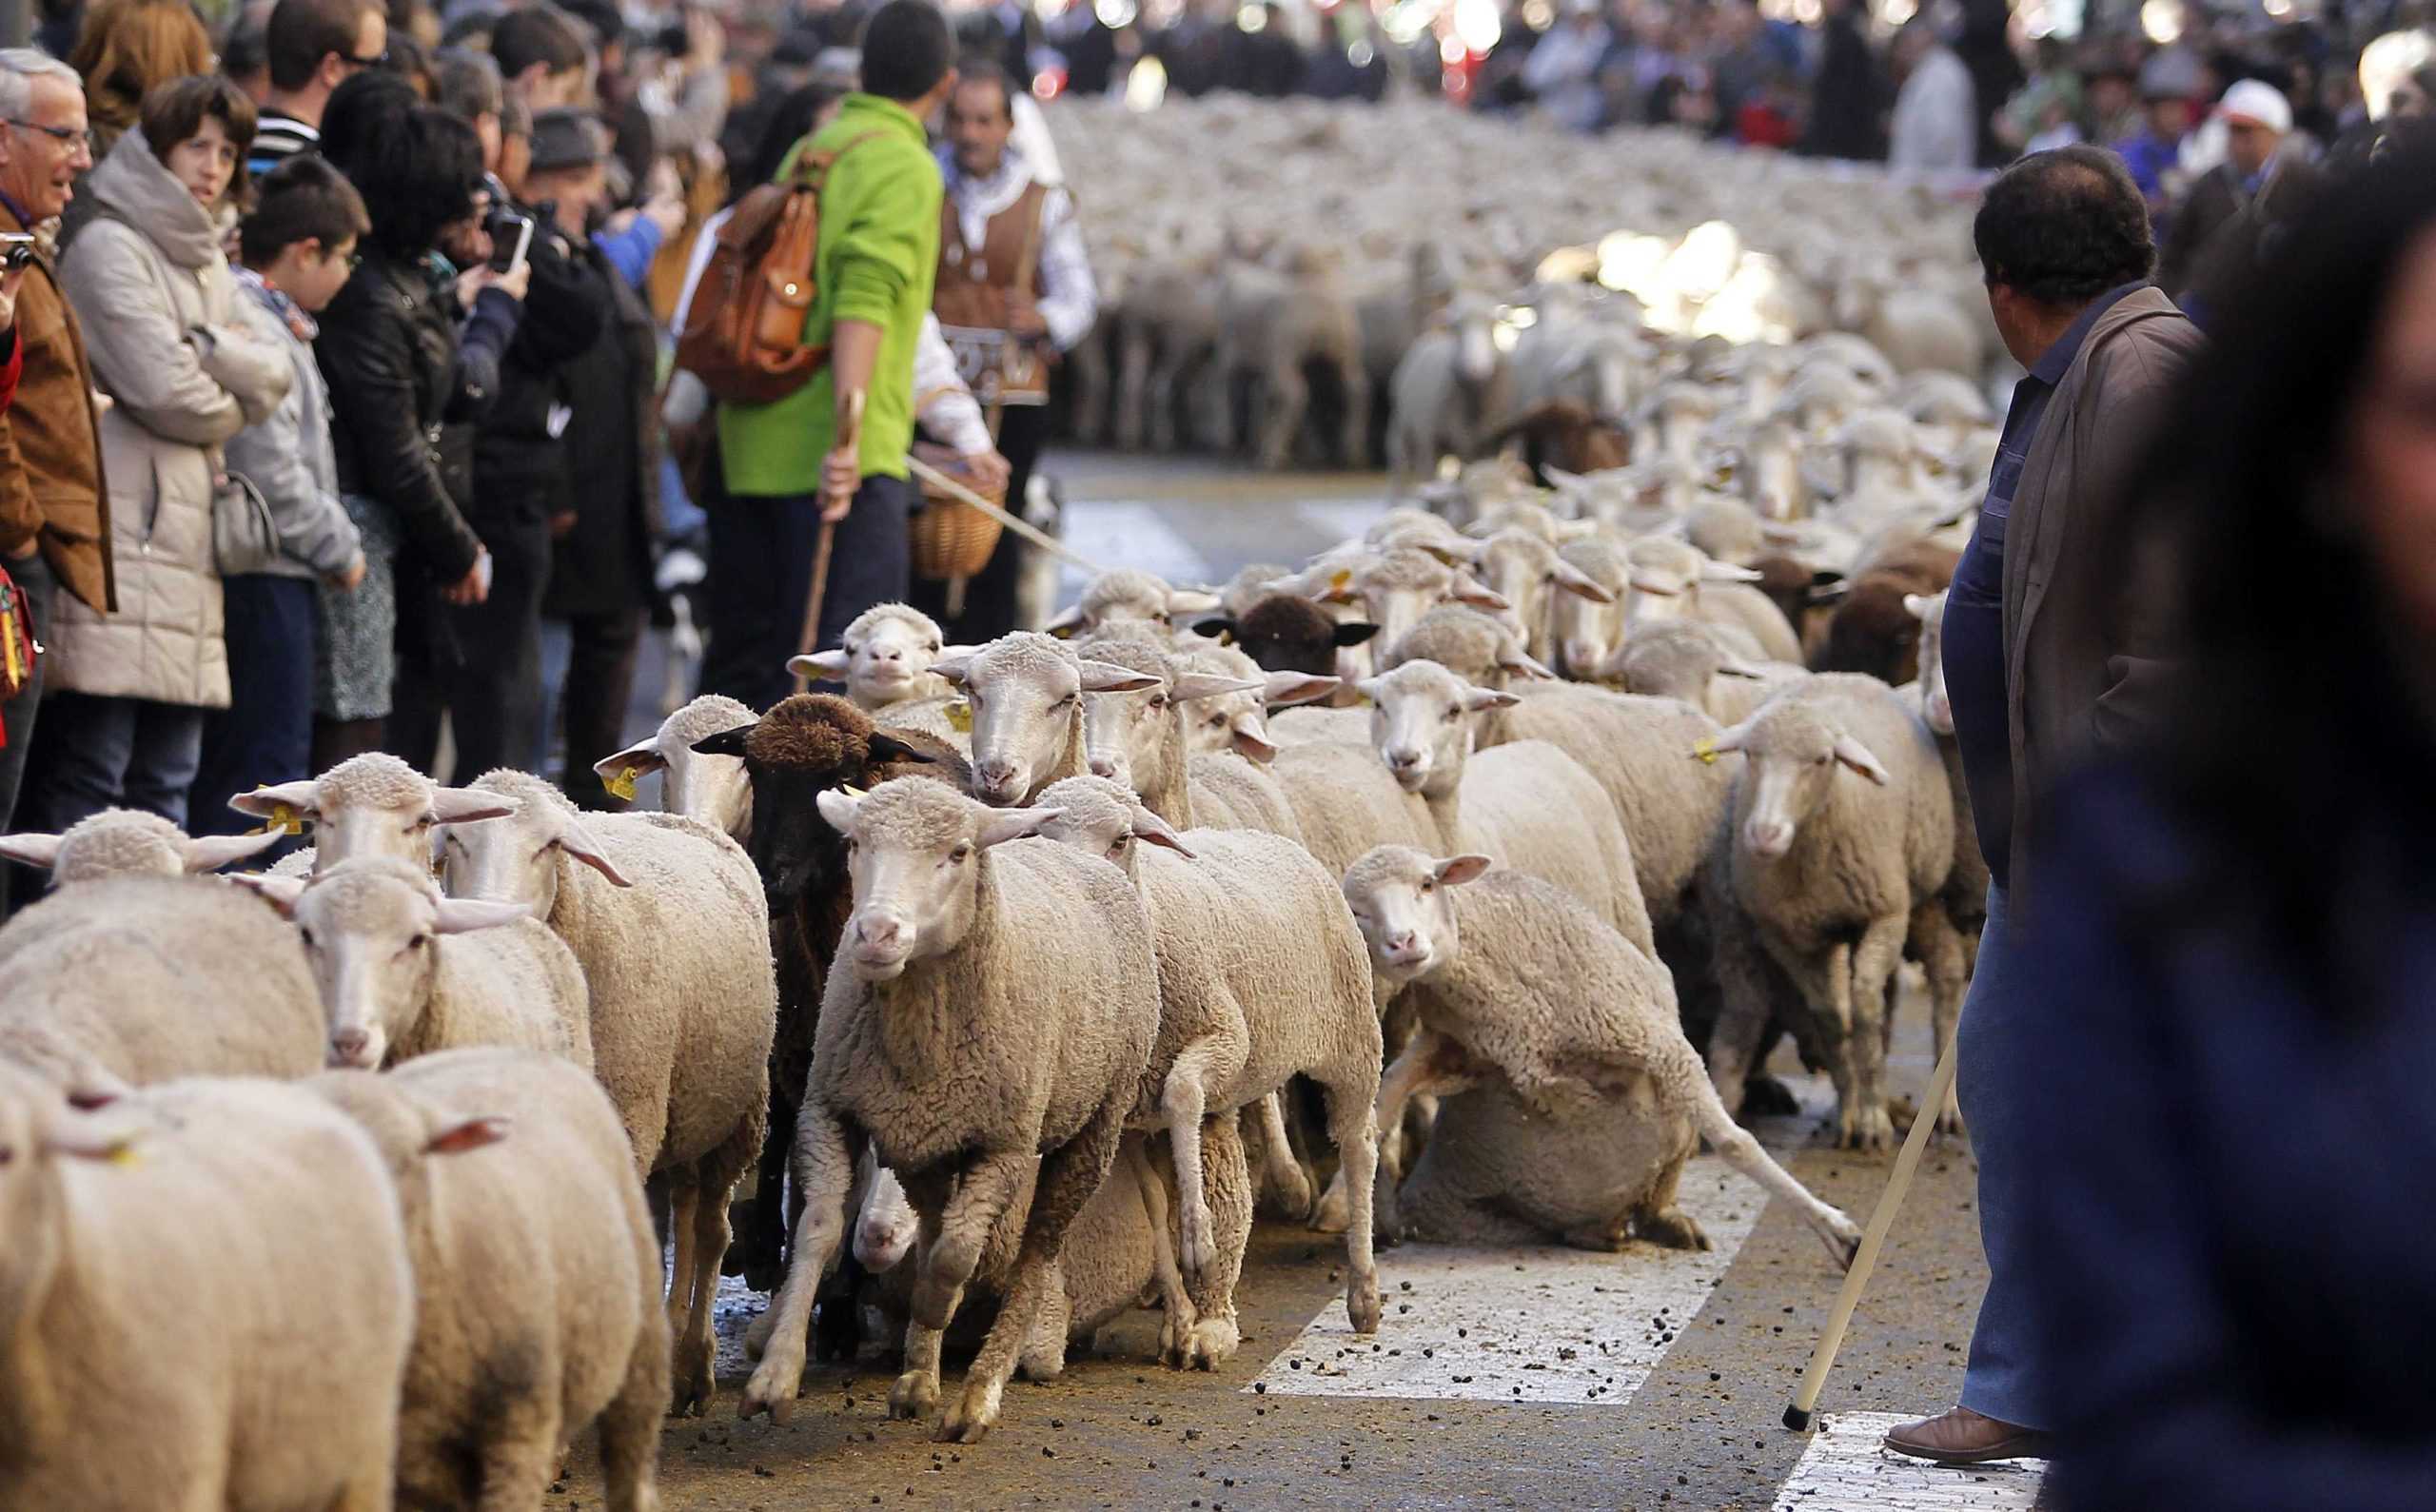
(54, 509)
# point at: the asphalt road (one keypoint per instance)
(1648, 1379)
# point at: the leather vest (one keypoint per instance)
(975, 292)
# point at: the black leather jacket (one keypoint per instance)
(388, 349)
(521, 471)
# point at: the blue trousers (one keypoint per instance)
(2003, 1380)
(101, 753)
(760, 578)
(265, 734)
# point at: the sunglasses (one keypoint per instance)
(375, 61)
(67, 136)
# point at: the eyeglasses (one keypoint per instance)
(377, 60)
(67, 136)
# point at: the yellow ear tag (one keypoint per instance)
(852, 791)
(622, 785)
(1343, 579)
(1706, 751)
(284, 821)
(960, 715)
(123, 1154)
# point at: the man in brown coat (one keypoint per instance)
(2045, 662)
(54, 514)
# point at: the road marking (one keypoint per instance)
(1524, 1325)
(1845, 1469)
(1127, 535)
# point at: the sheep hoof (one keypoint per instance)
(1293, 1189)
(696, 1381)
(1214, 1341)
(971, 1418)
(1766, 1098)
(1362, 1307)
(915, 1393)
(1197, 1253)
(1868, 1129)
(1673, 1228)
(1949, 1119)
(763, 1394)
(1332, 1215)
(757, 1333)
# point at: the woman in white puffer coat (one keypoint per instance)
(122, 718)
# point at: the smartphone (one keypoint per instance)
(511, 239)
(16, 250)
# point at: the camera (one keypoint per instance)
(16, 250)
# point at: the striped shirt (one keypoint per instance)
(277, 138)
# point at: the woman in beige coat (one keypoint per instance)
(121, 721)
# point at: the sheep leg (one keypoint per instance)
(1280, 1172)
(1431, 1063)
(1874, 962)
(1042, 1358)
(520, 1453)
(1183, 1100)
(1746, 1154)
(1068, 1177)
(1659, 1221)
(825, 1154)
(630, 1424)
(947, 1262)
(1281, 410)
(1216, 1334)
(1742, 1024)
(1353, 438)
(1943, 952)
(1355, 1128)
(1132, 387)
(1175, 1333)
(680, 1200)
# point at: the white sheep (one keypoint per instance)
(994, 1005)
(668, 920)
(130, 980)
(124, 842)
(710, 788)
(1238, 722)
(884, 657)
(1688, 660)
(392, 988)
(1023, 701)
(1672, 579)
(1127, 595)
(1138, 736)
(1586, 629)
(1965, 896)
(1262, 977)
(519, 1343)
(1511, 979)
(1393, 589)
(1535, 577)
(219, 1264)
(1842, 839)
(369, 805)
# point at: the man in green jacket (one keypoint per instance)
(785, 471)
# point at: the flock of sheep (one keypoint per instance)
(1452, 885)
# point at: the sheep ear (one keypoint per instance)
(1727, 572)
(1195, 685)
(1823, 592)
(1481, 699)
(818, 664)
(954, 664)
(279, 891)
(38, 849)
(1150, 827)
(1657, 585)
(1280, 688)
(1370, 688)
(1736, 667)
(725, 743)
(1522, 664)
(1570, 531)
(1574, 580)
(1064, 626)
(1723, 743)
(577, 841)
(1104, 677)
(1218, 628)
(881, 749)
(1857, 755)
(1472, 591)
(1457, 869)
(472, 1133)
(88, 1136)
(464, 916)
(1353, 634)
(1251, 741)
(466, 805)
(264, 802)
(210, 853)
(1918, 606)
(839, 809)
(1013, 824)
(639, 760)
(1191, 601)
(1562, 480)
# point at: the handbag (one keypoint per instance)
(244, 536)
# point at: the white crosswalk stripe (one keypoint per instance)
(1127, 535)
(1524, 1325)
(1846, 1470)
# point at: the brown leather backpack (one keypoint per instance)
(743, 335)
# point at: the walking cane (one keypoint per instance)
(849, 438)
(1889, 1202)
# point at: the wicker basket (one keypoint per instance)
(951, 537)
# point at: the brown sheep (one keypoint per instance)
(1871, 631)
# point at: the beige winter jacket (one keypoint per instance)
(152, 289)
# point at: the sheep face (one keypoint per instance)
(1936, 708)
(885, 657)
(1538, 580)
(1237, 721)
(711, 789)
(1026, 697)
(1127, 734)
(1422, 723)
(1398, 898)
(1393, 590)
(916, 852)
(1283, 633)
(371, 806)
(1104, 818)
(1127, 596)
(515, 859)
(887, 1227)
(1588, 628)
(371, 929)
(1792, 757)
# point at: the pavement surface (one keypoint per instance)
(1538, 1378)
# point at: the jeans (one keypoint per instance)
(113, 753)
(2002, 1380)
(760, 580)
(265, 734)
(591, 663)
(35, 582)
(490, 687)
